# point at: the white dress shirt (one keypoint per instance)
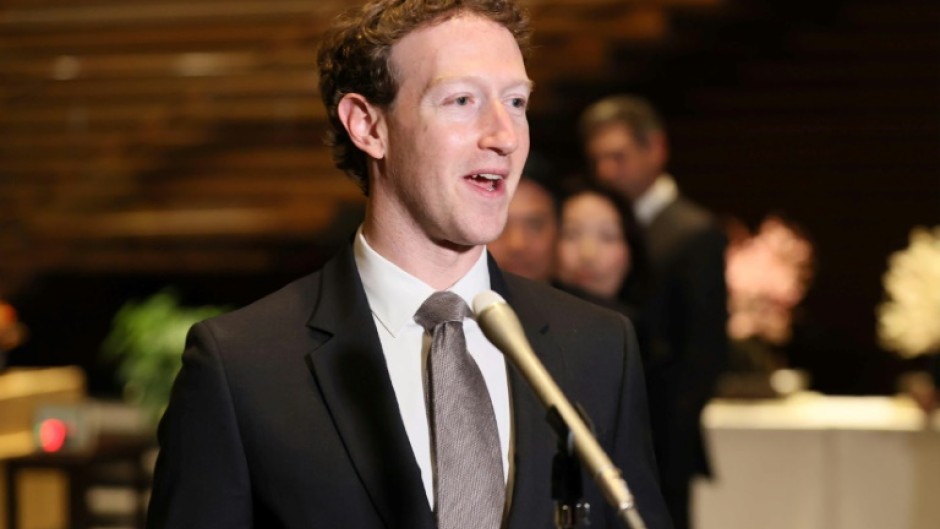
(662, 193)
(394, 297)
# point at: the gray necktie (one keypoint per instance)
(469, 489)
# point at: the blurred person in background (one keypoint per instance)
(526, 246)
(685, 314)
(600, 254)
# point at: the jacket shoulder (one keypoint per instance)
(561, 310)
(687, 216)
(289, 301)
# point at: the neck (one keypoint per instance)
(650, 180)
(438, 263)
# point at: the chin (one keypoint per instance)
(490, 236)
(468, 238)
(484, 231)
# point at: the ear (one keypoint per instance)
(365, 124)
(659, 147)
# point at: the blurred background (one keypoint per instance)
(165, 144)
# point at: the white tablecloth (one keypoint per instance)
(814, 462)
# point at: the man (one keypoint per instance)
(685, 311)
(527, 245)
(315, 407)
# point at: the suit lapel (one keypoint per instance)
(533, 439)
(349, 367)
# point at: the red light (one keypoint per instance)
(52, 434)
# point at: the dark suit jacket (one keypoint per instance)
(284, 416)
(685, 333)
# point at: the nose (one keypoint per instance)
(499, 130)
(587, 250)
(605, 168)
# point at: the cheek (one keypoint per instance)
(544, 239)
(429, 145)
(567, 252)
(628, 168)
(616, 259)
(522, 136)
(402, 152)
(607, 170)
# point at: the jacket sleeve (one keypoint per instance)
(633, 448)
(201, 478)
(706, 343)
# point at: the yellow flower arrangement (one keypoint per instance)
(909, 319)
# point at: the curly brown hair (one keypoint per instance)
(354, 58)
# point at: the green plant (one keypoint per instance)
(146, 340)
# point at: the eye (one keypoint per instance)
(518, 102)
(462, 101)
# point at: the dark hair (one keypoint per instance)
(541, 172)
(354, 58)
(635, 112)
(635, 285)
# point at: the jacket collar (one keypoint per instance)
(349, 368)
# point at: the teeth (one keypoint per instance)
(488, 176)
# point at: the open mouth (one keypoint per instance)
(487, 181)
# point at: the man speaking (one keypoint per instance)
(365, 395)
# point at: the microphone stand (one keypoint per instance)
(591, 455)
(510, 338)
(571, 511)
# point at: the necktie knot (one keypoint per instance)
(442, 307)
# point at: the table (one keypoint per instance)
(113, 462)
(817, 462)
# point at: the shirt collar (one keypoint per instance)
(395, 295)
(662, 193)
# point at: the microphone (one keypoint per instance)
(501, 326)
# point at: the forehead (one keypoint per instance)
(465, 45)
(530, 195)
(592, 207)
(612, 136)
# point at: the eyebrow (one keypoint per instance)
(528, 83)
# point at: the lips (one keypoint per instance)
(487, 181)
(587, 277)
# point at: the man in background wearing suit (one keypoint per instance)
(312, 408)
(685, 310)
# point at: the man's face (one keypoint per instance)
(622, 163)
(527, 244)
(456, 134)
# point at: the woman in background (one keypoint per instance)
(600, 252)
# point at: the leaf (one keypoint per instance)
(147, 340)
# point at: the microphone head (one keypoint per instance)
(486, 299)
